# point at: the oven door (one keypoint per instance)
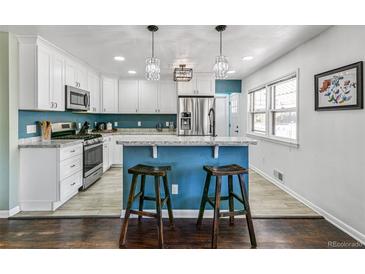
(93, 158)
(77, 99)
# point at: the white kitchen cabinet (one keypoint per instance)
(76, 74)
(167, 101)
(110, 95)
(41, 75)
(93, 85)
(202, 84)
(117, 151)
(49, 176)
(107, 152)
(128, 96)
(148, 96)
(58, 81)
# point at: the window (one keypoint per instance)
(273, 110)
(258, 110)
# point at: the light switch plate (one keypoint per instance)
(139, 123)
(115, 124)
(167, 124)
(31, 129)
(174, 189)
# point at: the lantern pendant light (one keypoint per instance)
(221, 65)
(153, 63)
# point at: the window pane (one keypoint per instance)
(285, 124)
(284, 94)
(259, 122)
(259, 100)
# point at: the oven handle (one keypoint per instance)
(87, 102)
(92, 146)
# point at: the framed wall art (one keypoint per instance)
(340, 88)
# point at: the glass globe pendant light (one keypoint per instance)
(153, 63)
(221, 66)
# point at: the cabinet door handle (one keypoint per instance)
(136, 110)
(73, 184)
(56, 105)
(72, 151)
(72, 166)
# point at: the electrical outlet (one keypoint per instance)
(167, 124)
(115, 124)
(31, 129)
(79, 125)
(174, 189)
(139, 123)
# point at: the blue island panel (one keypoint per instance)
(187, 171)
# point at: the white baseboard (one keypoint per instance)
(4, 214)
(14, 211)
(357, 235)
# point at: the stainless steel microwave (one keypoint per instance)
(77, 99)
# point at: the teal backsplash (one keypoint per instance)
(124, 120)
(228, 86)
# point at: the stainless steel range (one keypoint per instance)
(93, 149)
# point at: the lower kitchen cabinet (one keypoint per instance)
(107, 152)
(49, 176)
(117, 152)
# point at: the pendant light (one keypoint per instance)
(153, 63)
(221, 62)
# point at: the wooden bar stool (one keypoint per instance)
(157, 172)
(229, 171)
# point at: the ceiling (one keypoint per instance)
(196, 46)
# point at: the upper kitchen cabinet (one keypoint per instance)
(76, 74)
(41, 75)
(202, 84)
(109, 95)
(93, 85)
(167, 101)
(128, 96)
(148, 96)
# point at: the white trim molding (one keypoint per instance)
(4, 214)
(357, 235)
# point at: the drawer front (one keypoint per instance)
(70, 185)
(70, 166)
(69, 152)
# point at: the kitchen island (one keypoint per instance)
(186, 156)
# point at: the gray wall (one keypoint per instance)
(4, 121)
(328, 167)
(9, 155)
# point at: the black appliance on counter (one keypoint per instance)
(93, 149)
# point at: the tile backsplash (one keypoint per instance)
(27, 118)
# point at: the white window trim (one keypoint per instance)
(268, 136)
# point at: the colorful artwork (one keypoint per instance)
(340, 88)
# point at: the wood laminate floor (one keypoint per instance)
(104, 233)
(104, 199)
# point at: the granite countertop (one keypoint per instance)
(51, 144)
(173, 140)
(137, 131)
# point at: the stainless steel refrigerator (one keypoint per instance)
(196, 116)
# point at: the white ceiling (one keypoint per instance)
(194, 45)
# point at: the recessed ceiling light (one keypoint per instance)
(132, 71)
(247, 58)
(231, 71)
(119, 58)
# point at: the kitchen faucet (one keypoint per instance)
(212, 124)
